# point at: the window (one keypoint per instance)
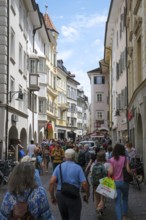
(20, 57)
(68, 91)
(59, 114)
(12, 45)
(25, 64)
(99, 79)
(99, 97)
(79, 115)
(41, 106)
(33, 66)
(73, 108)
(59, 98)
(99, 115)
(54, 82)
(12, 84)
(42, 65)
(79, 126)
(20, 15)
(54, 59)
(58, 81)
(25, 21)
(25, 101)
(13, 6)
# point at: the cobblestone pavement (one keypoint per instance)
(137, 201)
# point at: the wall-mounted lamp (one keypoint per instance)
(20, 95)
(117, 113)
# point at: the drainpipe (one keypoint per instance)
(127, 78)
(34, 32)
(7, 95)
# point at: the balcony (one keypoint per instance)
(51, 111)
(52, 91)
(63, 106)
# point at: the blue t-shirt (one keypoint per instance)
(71, 173)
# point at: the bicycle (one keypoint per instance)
(136, 166)
(6, 167)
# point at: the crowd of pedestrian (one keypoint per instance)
(74, 169)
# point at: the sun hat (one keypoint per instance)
(69, 154)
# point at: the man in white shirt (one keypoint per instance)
(30, 148)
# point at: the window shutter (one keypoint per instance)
(103, 80)
(117, 70)
(125, 96)
(94, 79)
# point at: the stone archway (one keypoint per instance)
(139, 136)
(23, 138)
(13, 136)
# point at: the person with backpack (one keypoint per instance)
(98, 172)
(24, 200)
(83, 160)
(84, 157)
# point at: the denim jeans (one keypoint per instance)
(121, 201)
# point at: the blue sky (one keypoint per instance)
(81, 27)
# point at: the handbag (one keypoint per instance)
(107, 188)
(127, 177)
(21, 153)
(67, 189)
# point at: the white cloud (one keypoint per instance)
(69, 32)
(89, 21)
(82, 22)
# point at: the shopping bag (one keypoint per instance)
(107, 188)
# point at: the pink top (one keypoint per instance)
(118, 167)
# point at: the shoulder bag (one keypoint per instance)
(67, 189)
(127, 177)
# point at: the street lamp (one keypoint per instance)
(20, 95)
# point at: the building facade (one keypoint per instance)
(99, 100)
(115, 40)
(125, 42)
(63, 106)
(136, 65)
(82, 114)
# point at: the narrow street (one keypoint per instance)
(137, 201)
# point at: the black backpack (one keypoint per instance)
(82, 159)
